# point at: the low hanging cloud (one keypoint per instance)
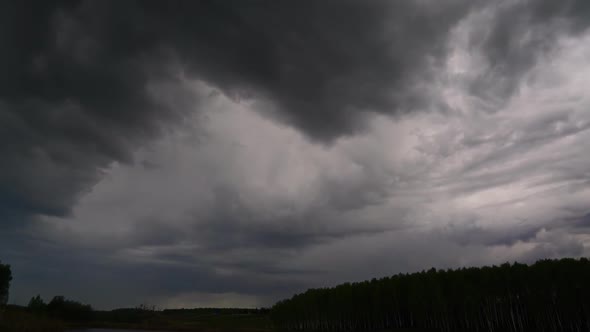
(79, 77)
(217, 149)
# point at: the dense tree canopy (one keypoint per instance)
(5, 278)
(36, 304)
(550, 295)
(69, 310)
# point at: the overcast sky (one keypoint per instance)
(232, 153)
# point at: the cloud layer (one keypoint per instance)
(205, 153)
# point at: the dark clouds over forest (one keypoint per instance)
(231, 152)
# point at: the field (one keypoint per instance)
(19, 319)
(220, 320)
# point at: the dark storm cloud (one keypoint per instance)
(83, 84)
(77, 86)
(322, 63)
(70, 103)
(75, 90)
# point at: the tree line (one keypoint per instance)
(61, 308)
(60, 314)
(549, 295)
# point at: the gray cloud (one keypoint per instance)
(76, 90)
(77, 86)
(517, 37)
(255, 149)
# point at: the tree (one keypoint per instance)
(146, 307)
(550, 295)
(5, 278)
(69, 310)
(36, 304)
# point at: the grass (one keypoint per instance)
(14, 319)
(19, 319)
(194, 321)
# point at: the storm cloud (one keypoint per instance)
(219, 147)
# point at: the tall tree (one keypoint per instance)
(5, 279)
(550, 295)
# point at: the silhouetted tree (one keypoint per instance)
(5, 278)
(146, 307)
(37, 305)
(69, 310)
(550, 295)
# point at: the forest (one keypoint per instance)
(549, 295)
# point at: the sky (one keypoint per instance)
(233, 153)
